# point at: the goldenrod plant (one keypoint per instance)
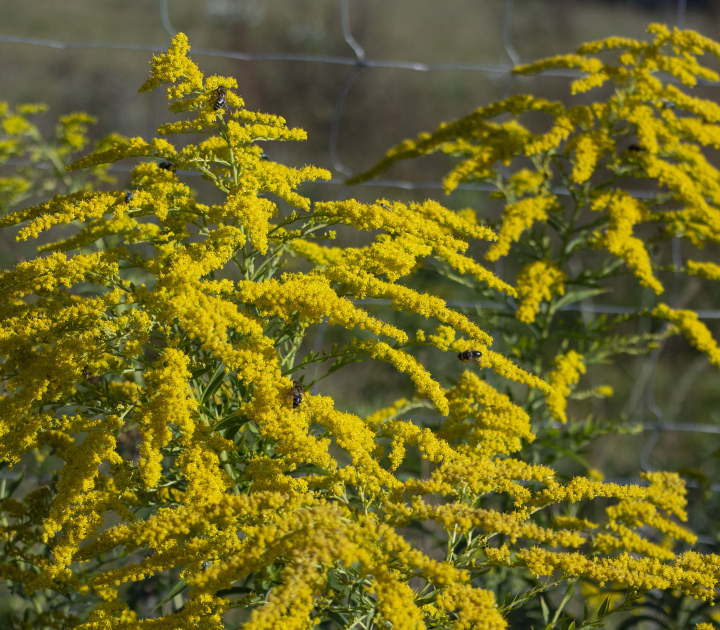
(39, 162)
(567, 195)
(189, 471)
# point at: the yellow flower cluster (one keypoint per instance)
(707, 270)
(671, 128)
(624, 213)
(536, 282)
(485, 418)
(568, 368)
(517, 217)
(21, 139)
(694, 330)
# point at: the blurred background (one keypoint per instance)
(360, 76)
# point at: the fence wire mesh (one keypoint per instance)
(642, 401)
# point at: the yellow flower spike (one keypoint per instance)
(465, 264)
(707, 270)
(16, 125)
(517, 217)
(132, 230)
(381, 415)
(406, 299)
(426, 386)
(476, 607)
(694, 330)
(536, 282)
(173, 66)
(54, 271)
(508, 139)
(27, 109)
(587, 153)
(498, 424)
(507, 369)
(625, 212)
(584, 64)
(206, 482)
(444, 337)
(568, 368)
(73, 128)
(60, 210)
(667, 491)
(312, 297)
(169, 402)
(133, 147)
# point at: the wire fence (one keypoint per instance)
(359, 63)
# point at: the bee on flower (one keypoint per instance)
(88, 375)
(297, 394)
(167, 166)
(469, 355)
(220, 102)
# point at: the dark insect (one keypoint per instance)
(220, 102)
(87, 375)
(263, 156)
(635, 148)
(167, 166)
(297, 394)
(667, 104)
(128, 196)
(384, 205)
(469, 355)
(205, 565)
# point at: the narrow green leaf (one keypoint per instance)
(336, 584)
(214, 384)
(578, 295)
(178, 588)
(545, 611)
(237, 419)
(604, 607)
(341, 620)
(11, 485)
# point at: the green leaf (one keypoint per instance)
(604, 607)
(578, 295)
(7, 488)
(567, 452)
(235, 420)
(143, 512)
(336, 584)
(341, 620)
(569, 592)
(178, 588)
(545, 611)
(199, 372)
(570, 247)
(214, 384)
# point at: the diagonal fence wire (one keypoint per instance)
(358, 62)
